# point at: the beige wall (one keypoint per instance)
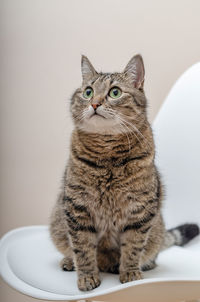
(41, 43)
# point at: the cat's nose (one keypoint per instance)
(95, 106)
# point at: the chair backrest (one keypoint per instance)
(177, 137)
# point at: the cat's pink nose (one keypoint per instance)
(95, 106)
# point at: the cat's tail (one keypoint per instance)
(180, 235)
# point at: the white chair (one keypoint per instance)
(29, 261)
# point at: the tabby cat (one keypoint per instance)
(108, 215)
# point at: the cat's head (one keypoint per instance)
(110, 102)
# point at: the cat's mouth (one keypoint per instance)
(97, 114)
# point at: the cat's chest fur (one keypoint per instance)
(111, 199)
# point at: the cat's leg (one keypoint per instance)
(67, 263)
(62, 243)
(59, 235)
(135, 233)
(132, 245)
(84, 247)
(153, 245)
(83, 237)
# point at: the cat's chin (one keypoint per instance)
(100, 124)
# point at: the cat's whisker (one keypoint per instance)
(124, 125)
(122, 115)
(129, 130)
(124, 132)
(143, 137)
(138, 131)
(84, 114)
(132, 118)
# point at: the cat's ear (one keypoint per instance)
(88, 71)
(135, 71)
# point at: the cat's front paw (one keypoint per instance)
(130, 276)
(67, 264)
(88, 282)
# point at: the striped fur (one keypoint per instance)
(107, 216)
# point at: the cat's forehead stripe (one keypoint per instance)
(107, 78)
(104, 77)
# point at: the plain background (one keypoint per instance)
(41, 44)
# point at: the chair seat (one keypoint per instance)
(30, 263)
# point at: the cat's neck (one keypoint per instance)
(105, 146)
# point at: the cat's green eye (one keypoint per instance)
(115, 92)
(88, 93)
